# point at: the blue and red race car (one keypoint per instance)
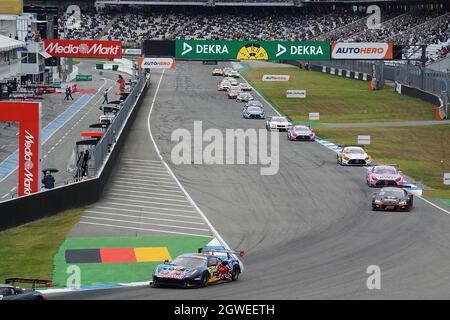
(198, 269)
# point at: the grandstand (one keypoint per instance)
(401, 24)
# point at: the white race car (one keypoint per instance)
(233, 81)
(278, 123)
(245, 86)
(234, 74)
(244, 97)
(227, 71)
(224, 85)
(353, 155)
(217, 72)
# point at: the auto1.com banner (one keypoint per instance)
(28, 115)
(83, 48)
(362, 50)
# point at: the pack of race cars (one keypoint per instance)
(392, 196)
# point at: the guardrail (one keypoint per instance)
(15, 212)
(103, 147)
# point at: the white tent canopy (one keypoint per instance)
(7, 44)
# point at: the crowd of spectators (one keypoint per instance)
(89, 25)
(134, 25)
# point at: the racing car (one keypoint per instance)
(244, 97)
(300, 132)
(279, 123)
(392, 198)
(234, 74)
(253, 112)
(217, 72)
(227, 71)
(232, 80)
(224, 85)
(199, 269)
(233, 93)
(253, 103)
(245, 86)
(384, 175)
(353, 155)
(9, 291)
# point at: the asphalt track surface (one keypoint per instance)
(308, 231)
(57, 150)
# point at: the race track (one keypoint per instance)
(308, 232)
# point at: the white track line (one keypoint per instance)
(144, 229)
(169, 187)
(151, 212)
(148, 207)
(214, 231)
(146, 197)
(146, 223)
(127, 191)
(152, 202)
(143, 217)
(170, 191)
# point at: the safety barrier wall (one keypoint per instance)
(22, 210)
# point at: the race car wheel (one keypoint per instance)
(154, 284)
(204, 280)
(235, 274)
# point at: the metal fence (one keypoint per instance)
(103, 147)
(432, 81)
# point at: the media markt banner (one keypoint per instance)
(251, 50)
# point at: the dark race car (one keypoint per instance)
(392, 198)
(198, 269)
(9, 291)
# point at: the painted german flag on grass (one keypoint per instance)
(111, 255)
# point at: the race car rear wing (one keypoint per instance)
(34, 282)
(350, 145)
(239, 253)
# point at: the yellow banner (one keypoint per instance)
(11, 6)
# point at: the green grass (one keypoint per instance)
(338, 99)
(27, 251)
(417, 150)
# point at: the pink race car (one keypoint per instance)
(299, 132)
(384, 175)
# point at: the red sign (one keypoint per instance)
(28, 114)
(83, 48)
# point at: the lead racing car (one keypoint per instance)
(199, 269)
(353, 155)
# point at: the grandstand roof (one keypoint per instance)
(7, 43)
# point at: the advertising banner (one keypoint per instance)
(276, 77)
(83, 48)
(28, 115)
(132, 52)
(157, 63)
(251, 50)
(295, 93)
(362, 50)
